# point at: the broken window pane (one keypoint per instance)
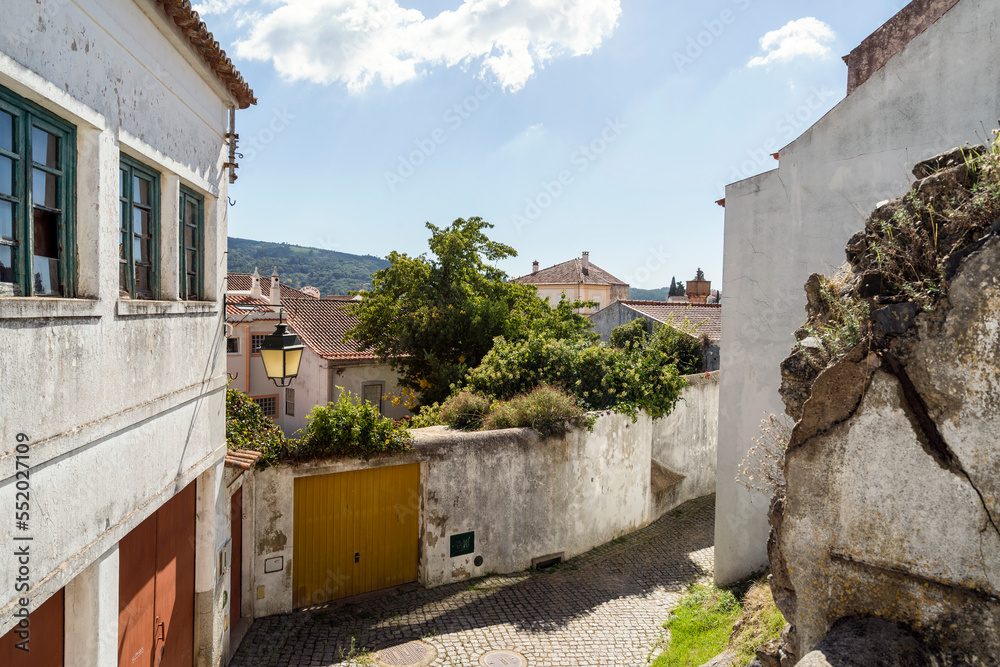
(140, 221)
(46, 230)
(142, 279)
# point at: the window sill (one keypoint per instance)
(140, 307)
(19, 307)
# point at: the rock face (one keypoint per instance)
(892, 503)
(869, 642)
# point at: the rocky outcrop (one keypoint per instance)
(892, 501)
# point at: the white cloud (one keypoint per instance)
(207, 7)
(356, 42)
(807, 37)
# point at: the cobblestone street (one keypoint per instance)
(605, 607)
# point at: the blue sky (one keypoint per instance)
(609, 126)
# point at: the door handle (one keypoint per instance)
(160, 642)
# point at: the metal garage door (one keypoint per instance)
(354, 532)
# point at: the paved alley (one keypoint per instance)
(605, 607)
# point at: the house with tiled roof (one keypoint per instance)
(329, 363)
(577, 279)
(700, 320)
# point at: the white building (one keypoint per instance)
(114, 117)
(923, 83)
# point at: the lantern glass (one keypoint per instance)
(281, 354)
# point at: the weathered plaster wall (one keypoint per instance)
(685, 442)
(123, 401)
(525, 497)
(940, 91)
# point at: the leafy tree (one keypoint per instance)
(434, 317)
(673, 286)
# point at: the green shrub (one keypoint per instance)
(465, 410)
(546, 409)
(630, 336)
(600, 377)
(428, 415)
(349, 427)
(247, 427)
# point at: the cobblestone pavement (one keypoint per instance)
(605, 607)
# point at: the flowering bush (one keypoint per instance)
(349, 427)
(247, 427)
(630, 336)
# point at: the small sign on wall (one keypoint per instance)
(463, 543)
(276, 564)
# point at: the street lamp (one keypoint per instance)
(281, 353)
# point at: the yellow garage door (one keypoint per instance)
(354, 532)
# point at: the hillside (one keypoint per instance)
(330, 271)
(637, 294)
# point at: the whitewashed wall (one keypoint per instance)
(941, 91)
(123, 401)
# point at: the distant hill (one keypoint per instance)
(329, 271)
(637, 294)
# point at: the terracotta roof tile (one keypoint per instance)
(706, 316)
(570, 273)
(194, 29)
(244, 459)
(322, 323)
(242, 282)
(259, 305)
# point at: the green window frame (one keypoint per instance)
(37, 200)
(192, 245)
(139, 229)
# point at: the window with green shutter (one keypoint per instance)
(138, 245)
(192, 214)
(37, 181)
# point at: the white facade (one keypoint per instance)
(938, 92)
(121, 401)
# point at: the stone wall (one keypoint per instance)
(525, 497)
(892, 505)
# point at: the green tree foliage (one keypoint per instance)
(435, 316)
(658, 294)
(329, 271)
(247, 427)
(600, 377)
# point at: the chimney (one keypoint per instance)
(586, 263)
(699, 289)
(255, 285)
(275, 289)
(534, 267)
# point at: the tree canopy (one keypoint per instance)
(433, 317)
